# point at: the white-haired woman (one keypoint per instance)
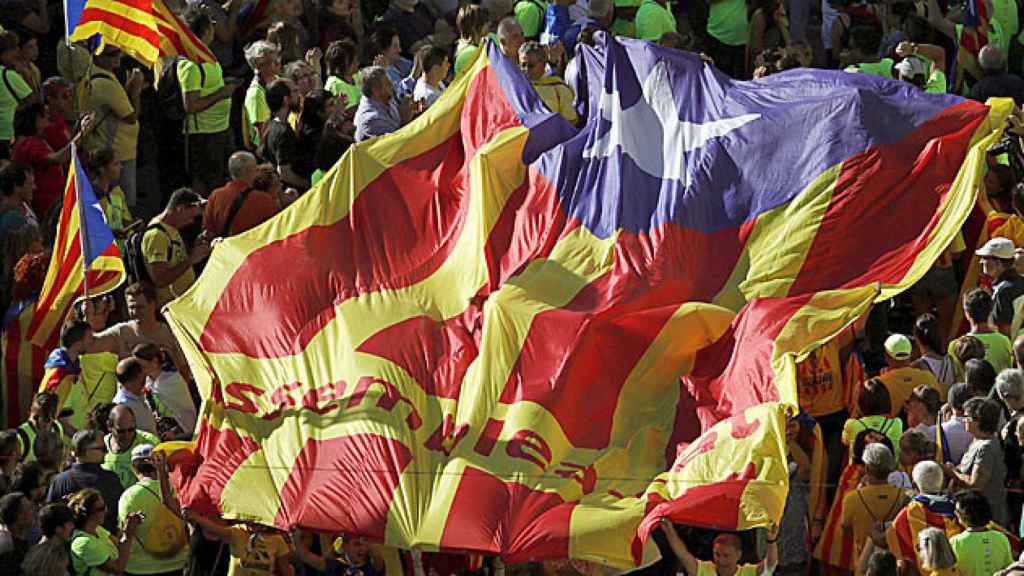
(937, 557)
(265, 60)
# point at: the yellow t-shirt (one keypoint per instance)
(557, 96)
(864, 507)
(901, 382)
(255, 553)
(103, 94)
(164, 244)
(819, 380)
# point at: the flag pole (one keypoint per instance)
(83, 234)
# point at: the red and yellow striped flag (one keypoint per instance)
(144, 29)
(84, 245)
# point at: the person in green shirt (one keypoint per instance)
(14, 90)
(653, 20)
(342, 64)
(728, 28)
(978, 310)
(151, 496)
(94, 549)
(265, 60)
(980, 550)
(864, 41)
(207, 100)
(923, 65)
(120, 442)
(624, 23)
(530, 15)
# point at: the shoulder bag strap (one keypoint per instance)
(236, 207)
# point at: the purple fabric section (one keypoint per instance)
(547, 129)
(806, 122)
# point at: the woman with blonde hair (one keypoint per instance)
(265, 60)
(936, 555)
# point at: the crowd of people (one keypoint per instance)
(906, 456)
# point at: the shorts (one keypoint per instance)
(208, 158)
(937, 283)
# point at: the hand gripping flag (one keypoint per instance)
(85, 258)
(144, 29)
(470, 335)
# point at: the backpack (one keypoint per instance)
(167, 534)
(168, 91)
(134, 260)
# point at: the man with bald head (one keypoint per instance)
(998, 82)
(510, 37)
(123, 437)
(235, 207)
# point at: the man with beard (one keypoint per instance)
(168, 259)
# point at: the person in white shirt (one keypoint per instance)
(167, 385)
(954, 423)
(430, 84)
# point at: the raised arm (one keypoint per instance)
(679, 548)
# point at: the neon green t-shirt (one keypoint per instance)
(337, 86)
(882, 68)
(1006, 12)
(214, 119)
(727, 22)
(998, 349)
(530, 15)
(88, 551)
(465, 53)
(121, 463)
(9, 101)
(981, 552)
(936, 83)
(256, 110)
(653, 20)
(144, 496)
(625, 28)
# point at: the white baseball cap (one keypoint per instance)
(998, 247)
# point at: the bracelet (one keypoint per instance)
(770, 541)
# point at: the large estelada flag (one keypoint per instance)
(144, 29)
(85, 257)
(470, 336)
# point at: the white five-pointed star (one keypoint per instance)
(651, 133)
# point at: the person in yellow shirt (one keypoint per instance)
(876, 502)
(726, 553)
(117, 108)
(900, 378)
(556, 94)
(255, 551)
(168, 261)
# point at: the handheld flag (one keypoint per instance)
(144, 29)
(85, 260)
(479, 342)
